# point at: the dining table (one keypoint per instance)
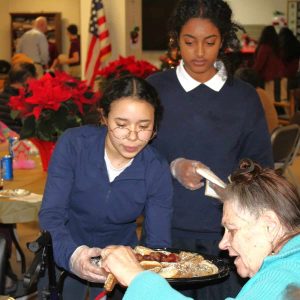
(17, 208)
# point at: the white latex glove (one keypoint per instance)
(81, 266)
(184, 170)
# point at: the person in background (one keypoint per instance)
(261, 216)
(53, 52)
(101, 179)
(210, 118)
(4, 69)
(290, 51)
(267, 60)
(18, 76)
(5, 134)
(34, 44)
(249, 75)
(10, 277)
(73, 59)
(20, 58)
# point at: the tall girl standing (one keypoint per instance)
(209, 118)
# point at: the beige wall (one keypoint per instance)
(69, 9)
(245, 12)
(133, 18)
(4, 30)
(122, 16)
(256, 11)
(115, 15)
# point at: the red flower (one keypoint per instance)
(55, 102)
(127, 65)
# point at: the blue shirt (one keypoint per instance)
(81, 207)
(269, 283)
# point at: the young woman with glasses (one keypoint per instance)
(101, 179)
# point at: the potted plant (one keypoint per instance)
(50, 105)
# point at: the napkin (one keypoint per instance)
(32, 197)
(210, 177)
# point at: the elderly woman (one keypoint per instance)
(261, 216)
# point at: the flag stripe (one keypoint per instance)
(93, 60)
(99, 44)
(104, 34)
(101, 20)
(105, 51)
(95, 63)
(90, 51)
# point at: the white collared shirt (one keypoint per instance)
(215, 83)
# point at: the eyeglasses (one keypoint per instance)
(122, 133)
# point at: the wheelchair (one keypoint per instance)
(44, 262)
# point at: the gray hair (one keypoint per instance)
(256, 189)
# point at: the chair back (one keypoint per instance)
(296, 118)
(277, 89)
(285, 145)
(284, 95)
(3, 258)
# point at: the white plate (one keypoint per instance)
(14, 193)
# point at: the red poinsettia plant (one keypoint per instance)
(125, 66)
(51, 104)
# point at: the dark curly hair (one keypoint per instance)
(218, 12)
(256, 189)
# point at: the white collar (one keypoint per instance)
(215, 83)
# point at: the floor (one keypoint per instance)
(28, 232)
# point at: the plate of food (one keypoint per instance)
(176, 266)
(9, 193)
(181, 266)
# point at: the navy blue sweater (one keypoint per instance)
(81, 207)
(215, 128)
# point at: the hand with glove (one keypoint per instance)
(184, 170)
(81, 266)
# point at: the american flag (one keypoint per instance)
(99, 44)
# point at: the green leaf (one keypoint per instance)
(29, 128)
(14, 114)
(45, 128)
